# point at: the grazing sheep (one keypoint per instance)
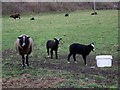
(53, 45)
(32, 18)
(66, 14)
(81, 49)
(17, 15)
(24, 45)
(94, 13)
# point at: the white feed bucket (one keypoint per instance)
(104, 60)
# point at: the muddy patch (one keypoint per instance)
(110, 74)
(27, 81)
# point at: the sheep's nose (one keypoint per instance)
(23, 44)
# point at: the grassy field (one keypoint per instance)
(81, 27)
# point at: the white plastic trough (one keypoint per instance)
(104, 60)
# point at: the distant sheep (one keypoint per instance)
(24, 45)
(66, 14)
(53, 45)
(81, 49)
(15, 16)
(32, 18)
(94, 13)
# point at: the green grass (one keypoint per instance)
(80, 26)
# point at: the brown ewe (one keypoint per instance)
(24, 45)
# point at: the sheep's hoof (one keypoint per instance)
(23, 67)
(68, 62)
(26, 64)
(75, 61)
(48, 56)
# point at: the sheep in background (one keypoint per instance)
(24, 45)
(81, 49)
(17, 15)
(53, 45)
(94, 13)
(66, 14)
(32, 18)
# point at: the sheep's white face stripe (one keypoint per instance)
(92, 45)
(57, 39)
(23, 38)
(23, 44)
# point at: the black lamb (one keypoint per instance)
(53, 45)
(81, 49)
(32, 18)
(17, 15)
(66, 14)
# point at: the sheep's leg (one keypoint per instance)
(48, 51)
(51, 54)
(56, 54)
(84, 57)
(27, 60)
(23, 61)
(74, 58)
(69, 55)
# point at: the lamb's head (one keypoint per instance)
(57, 40)
(92, 47)
(11, 16)
(24, 40)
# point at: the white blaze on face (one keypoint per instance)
(93, 47)
(23, 44)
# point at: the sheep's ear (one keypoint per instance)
(92, 43)
(19, 37)
(28, 37)
(60, 39)
(55, 39)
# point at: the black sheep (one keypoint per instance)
(17, 15)
(53, 45)
(66, 14)
(81, 49)
(32, 18)
(94, 13)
